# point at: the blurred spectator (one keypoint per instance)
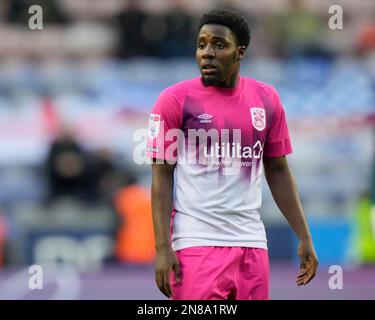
(159, 34)
(4, 9)
(154, 32)
(366, 41)
(129, 24)
(135, 238)
(67, 168)
(179, 39)
(298, 31)
(106, 179)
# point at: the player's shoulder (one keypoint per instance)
(260, 86)
(179, 89)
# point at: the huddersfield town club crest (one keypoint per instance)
(258, 118)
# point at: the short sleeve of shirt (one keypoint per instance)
(278, 142)
(165, 116)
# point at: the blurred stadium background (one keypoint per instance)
(72, 95)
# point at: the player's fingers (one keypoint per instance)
(177, 273)
(314, 265)
(303, 266)
(302, 277)
(167, 287)
(302, 274)
(160, 281)
(308, 279)
(300, 281)
(311, 270)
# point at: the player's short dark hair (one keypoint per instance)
(231, 19)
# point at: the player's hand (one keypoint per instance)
(309, 262)
(166, 261)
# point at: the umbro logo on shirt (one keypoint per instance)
(205, 118)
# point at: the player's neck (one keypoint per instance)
(232, 81)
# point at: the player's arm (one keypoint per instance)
(285, 194)
(162, 205)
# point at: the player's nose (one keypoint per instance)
(208, 53)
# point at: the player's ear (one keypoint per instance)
(241, 52)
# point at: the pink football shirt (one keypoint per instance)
(218, 137)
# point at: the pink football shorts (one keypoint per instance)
(221, 273)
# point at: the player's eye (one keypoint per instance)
(220, 45)
(201, 45)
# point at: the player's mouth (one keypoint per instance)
(208, 69)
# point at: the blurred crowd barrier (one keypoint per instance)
(92, 29)
(73, 94)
